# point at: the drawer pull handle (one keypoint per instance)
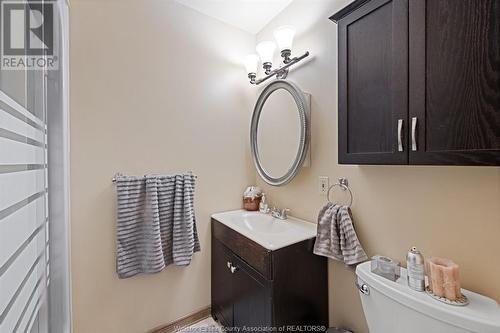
(400, 134)
(414, 133)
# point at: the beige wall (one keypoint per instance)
(446, 211)
(139, 105)
(155, 88)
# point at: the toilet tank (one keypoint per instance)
(392, 307)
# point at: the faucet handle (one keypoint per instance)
(284, 212)
(275, 212)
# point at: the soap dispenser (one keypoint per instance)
(263, 206)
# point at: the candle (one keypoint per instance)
(444, 279)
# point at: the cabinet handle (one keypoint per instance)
(233, 269)
(414, 133)
(400, 133)
(229, 264)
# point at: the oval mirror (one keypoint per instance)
(279, 132)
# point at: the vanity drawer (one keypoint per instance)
(252, 253)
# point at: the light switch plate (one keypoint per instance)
(324, 184)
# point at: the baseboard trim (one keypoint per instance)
(183, 322)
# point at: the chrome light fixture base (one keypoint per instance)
(285, 54)
(252, 77)
(282, 72)
(267, 67)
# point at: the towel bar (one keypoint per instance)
(118, 174)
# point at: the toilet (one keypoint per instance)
(392, 307)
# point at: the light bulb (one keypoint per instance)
(251, 63)
(266, 51)
(284, 37)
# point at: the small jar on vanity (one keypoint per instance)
(252, 198)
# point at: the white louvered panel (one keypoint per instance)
(17, 186)
(20, 311)
(46, 153)
(12, 124)
(33, 309)
(23, 262)
(46, 202)
(15, 312)
(17, 227)
(16, 106)
(13, 152)
(47, 232)
(16, 272)
(42, 245)
(22, 300)
(46, 182)
(23, 225)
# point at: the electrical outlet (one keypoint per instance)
(324, 184)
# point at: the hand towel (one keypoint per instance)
(156, 223)
(336, 237)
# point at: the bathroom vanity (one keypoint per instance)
(264, 273)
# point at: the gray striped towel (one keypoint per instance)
(336, 236)
(155, 223)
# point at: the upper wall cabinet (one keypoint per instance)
(419, 82)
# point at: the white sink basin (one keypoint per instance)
(265, 230)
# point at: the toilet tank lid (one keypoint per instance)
(481, 315)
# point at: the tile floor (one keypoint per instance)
(207, 325)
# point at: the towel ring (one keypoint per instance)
(343, 185)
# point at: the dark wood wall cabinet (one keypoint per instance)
(419, 82)
(255, 288)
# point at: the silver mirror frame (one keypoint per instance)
(304, 112)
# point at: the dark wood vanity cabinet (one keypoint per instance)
(241, 298)
(419, 82)
(254, 287)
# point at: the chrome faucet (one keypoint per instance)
(280, 213)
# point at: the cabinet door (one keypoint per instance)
(373, 84)
(222, 284)
(252, 297)
(455, 82)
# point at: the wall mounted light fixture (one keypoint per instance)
(284, 37)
